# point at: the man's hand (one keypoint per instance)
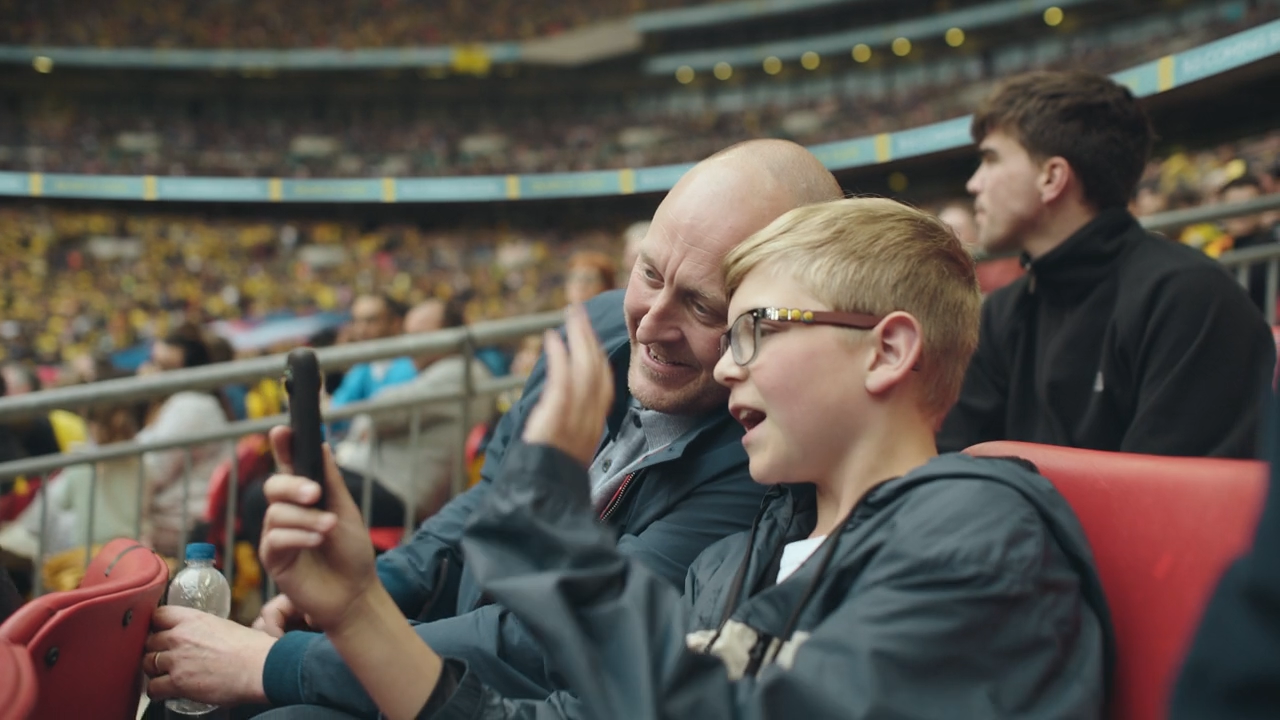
(571, 413)
(198, 656)
(278, 617)
(321, 559)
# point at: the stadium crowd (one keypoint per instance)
(344, 24)
(470, 139)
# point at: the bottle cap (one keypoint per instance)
(200, 551)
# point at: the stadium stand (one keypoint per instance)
(248, 132)
(263, 24)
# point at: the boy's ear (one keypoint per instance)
(898, 344)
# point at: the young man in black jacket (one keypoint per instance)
(1115, 339)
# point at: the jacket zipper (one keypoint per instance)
(616, 500)
(442, 574)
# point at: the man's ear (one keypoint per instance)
(1056, 178)
(898, 345)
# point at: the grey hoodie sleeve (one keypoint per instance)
(932, 633)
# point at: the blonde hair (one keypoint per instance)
(877, 256)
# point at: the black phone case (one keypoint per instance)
(302, 381)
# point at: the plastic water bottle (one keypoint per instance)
(199, 585)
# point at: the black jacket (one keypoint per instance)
(965, 589)
(1118, 340)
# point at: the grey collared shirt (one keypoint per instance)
(642, 433)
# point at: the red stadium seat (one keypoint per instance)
(86, 644)
(1163, 530)
(17, 682)
(254, 462)
(385, 538)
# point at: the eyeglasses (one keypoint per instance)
(743, 337)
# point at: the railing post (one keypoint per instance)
(142, 485)
(411, 499)
(233, 486)
(1273, 278)
(37, 580)
(93, 504)
(459, 474)
(186, 500)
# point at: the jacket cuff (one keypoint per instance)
(282, 673)
(463, 703)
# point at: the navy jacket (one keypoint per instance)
(964, 589)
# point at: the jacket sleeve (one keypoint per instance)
(979, 414)
(927, 636)
(1204, 351)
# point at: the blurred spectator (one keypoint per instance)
(346, 24)
(588, 274)
(34, 435)
(178, 474)
(374, 317)
(420, 473)
(631, 238)
(959, 217)
(1113, 332)
(1149, 200)
(993, 272)
(1248, 231)
(115, 483)
(236, 394)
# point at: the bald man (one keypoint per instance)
(670, 476)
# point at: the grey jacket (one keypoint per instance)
(965, 589)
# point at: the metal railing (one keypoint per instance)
(1241, 261)
(459, 340)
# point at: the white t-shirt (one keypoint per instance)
(794, 555)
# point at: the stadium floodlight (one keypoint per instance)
(901, 47)
(772, 65)
(955, 37)
(1053, 16)
(684, 74)
(861, 52)
(810, 60)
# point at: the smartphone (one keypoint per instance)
(302, 382)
